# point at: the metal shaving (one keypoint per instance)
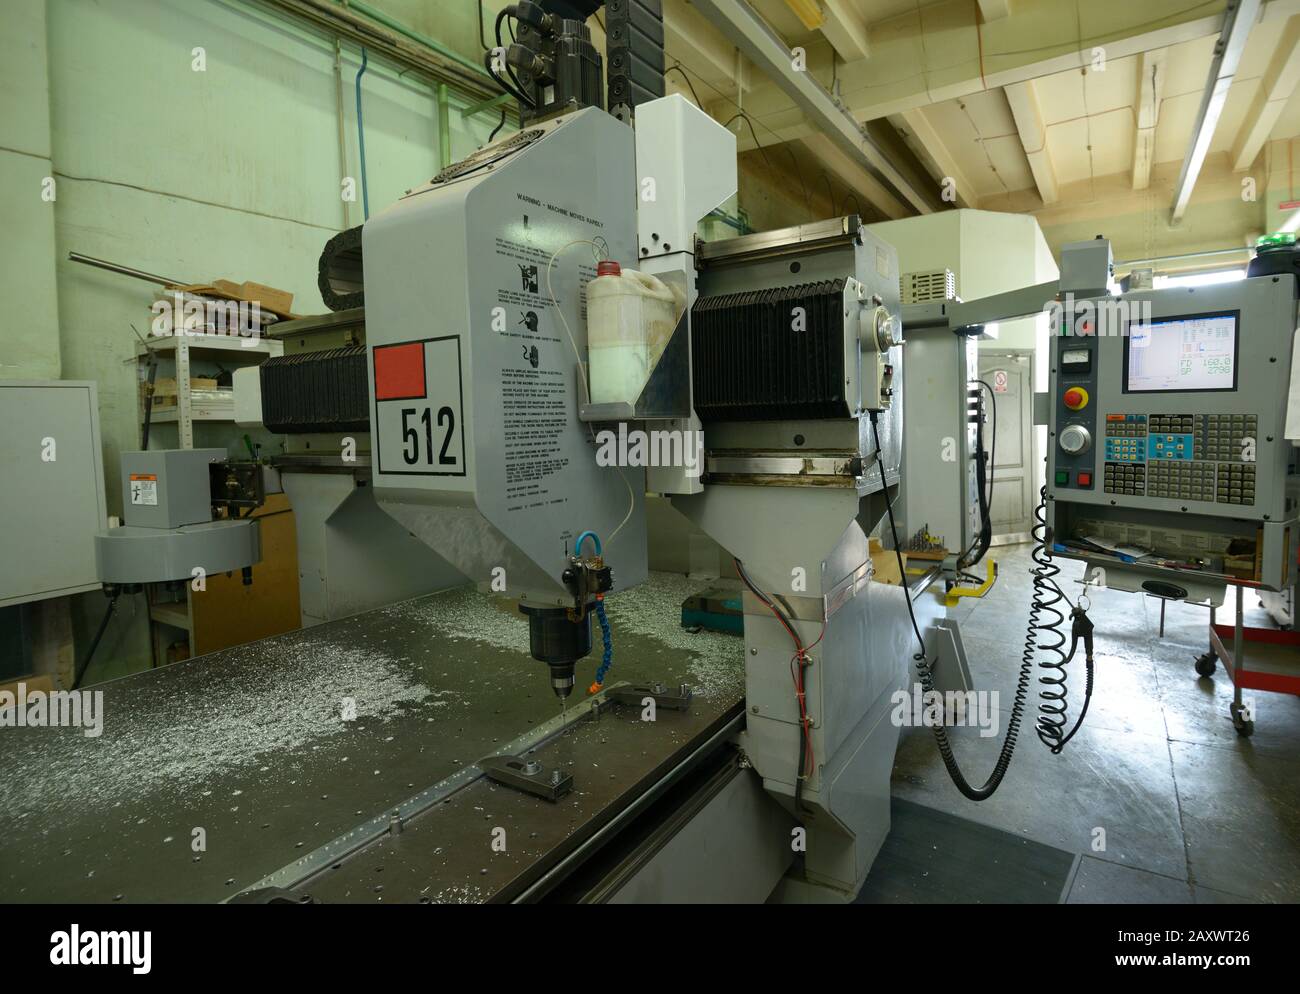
(711, 661)
(653, 610)
(179, 735)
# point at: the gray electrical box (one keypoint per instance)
(167, 488)
(51, 488)
(169, 531)
(1086, 267)
(939, 487)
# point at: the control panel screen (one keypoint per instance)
(1174, 355)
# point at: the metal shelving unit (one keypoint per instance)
(185, 350)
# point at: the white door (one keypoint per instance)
(1010, 373)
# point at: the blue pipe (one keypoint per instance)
(608, 639)
(577, 548)
(361, 140)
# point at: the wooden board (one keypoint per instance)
(31, 684)
(885, 563)
(228, 613)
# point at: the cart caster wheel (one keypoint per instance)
(1245, 727)
(1205, 664)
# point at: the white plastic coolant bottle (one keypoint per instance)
(630, 318)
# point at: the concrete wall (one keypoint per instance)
(27, 276)
(233, 171)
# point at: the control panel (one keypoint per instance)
(1167, 447)
(1076, 415)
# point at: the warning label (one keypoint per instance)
(144, 489)
(535, 405)
(540, 294)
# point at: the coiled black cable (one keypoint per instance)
(1045, 620)
(1054, 695)
(926, 676)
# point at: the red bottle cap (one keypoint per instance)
(608, 267)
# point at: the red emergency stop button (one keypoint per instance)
(1084, 478)
(1076, 398)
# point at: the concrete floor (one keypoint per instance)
(1191, 812)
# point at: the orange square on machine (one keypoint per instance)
(399, 371)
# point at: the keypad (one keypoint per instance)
(1126, 438)
(1125, 479)
(1194, 457)
(1222, 437)
(1236, 483)
(1181, 480)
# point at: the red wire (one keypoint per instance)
(800, 697)
(800, 654)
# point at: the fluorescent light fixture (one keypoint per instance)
(1200, 279)
(809, 13)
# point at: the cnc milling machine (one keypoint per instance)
(684, 771)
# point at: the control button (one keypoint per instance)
(1075, 439)
(1062, 477)
(1084, 479)
(1076, 398)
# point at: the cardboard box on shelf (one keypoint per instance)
(268, 298)
(165, 392)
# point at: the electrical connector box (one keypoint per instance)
(167, 488)
(1086, 267)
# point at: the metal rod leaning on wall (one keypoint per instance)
(116, 267)
(395, 41)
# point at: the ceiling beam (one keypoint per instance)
(909, 69)
(1275, 90)
(748, 32)
(924, 139)
(992, 10)
(691, 39)
(1238, 20)
(1151, 86)
(1033, 137)
(852, 175)
(845, 30)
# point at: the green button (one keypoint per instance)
(1062, 477)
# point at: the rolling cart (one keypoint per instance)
(1255, 658)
